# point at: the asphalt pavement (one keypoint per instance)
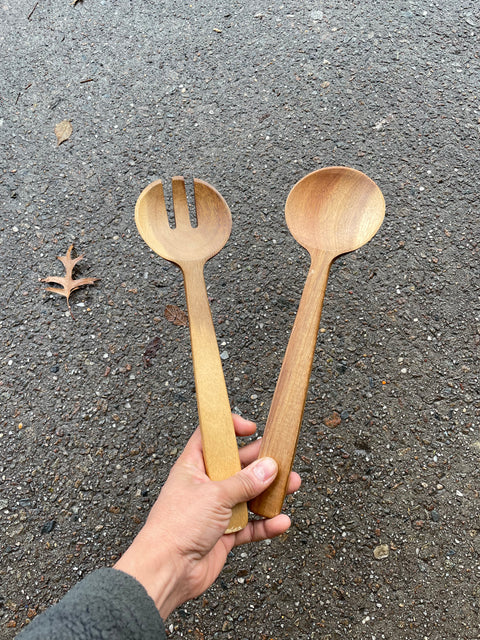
(251, 97)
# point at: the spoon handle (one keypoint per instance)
(220, 450)
(285, 417)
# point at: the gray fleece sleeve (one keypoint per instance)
(106, 605)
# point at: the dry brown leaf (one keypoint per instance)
(151, 351)
(333, 421)
(63, 131)
(67, 282)
(75, 2)
(176, 315)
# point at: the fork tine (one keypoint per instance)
(156, 199)
(151, 214)
(180, 206)
(210, 205)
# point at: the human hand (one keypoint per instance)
(182, 547)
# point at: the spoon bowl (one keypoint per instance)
(336, 209)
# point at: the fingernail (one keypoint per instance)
(265, 469)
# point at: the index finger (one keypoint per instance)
(242, 426)
(193, 449)
(192, 453)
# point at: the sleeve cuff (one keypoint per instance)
(106, 604)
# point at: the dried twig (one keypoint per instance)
(31, 12)
(20, 92)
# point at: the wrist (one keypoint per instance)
(153, 564)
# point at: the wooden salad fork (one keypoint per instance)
(190, 247)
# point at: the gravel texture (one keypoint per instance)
(250, 96)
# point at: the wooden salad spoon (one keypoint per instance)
(190, 247)
(329, 212)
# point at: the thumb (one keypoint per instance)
(250, 482)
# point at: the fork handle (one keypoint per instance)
(220, 450)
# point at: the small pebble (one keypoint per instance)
(381, 551)
(49, 526)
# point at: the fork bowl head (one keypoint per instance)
(184, 243)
